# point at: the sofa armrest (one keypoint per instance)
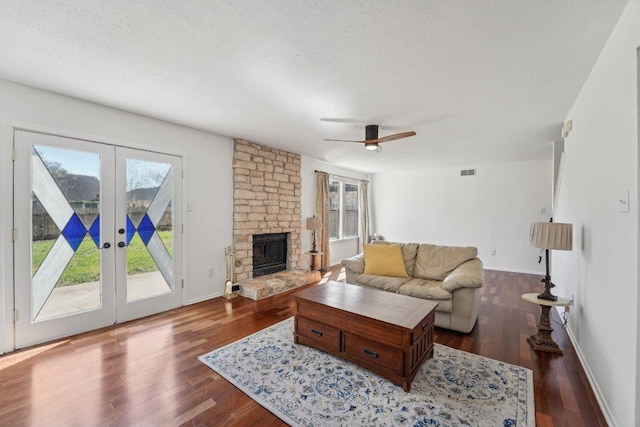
(355, 263)
(469, 274)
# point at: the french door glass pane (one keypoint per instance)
(149, 233)
(65, 224)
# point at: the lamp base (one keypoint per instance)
(548, 285)
(546, 295)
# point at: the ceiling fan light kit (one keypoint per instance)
(372, 142)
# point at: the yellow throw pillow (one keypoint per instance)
(384, 260)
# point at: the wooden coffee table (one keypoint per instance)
(387, 333)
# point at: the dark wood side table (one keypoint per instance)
(314, 259)
(542, 341)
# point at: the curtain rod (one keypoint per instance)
(342, 176)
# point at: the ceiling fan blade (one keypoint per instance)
(342, 120)
(396, 136)
(343, 140)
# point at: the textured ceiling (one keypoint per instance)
(479, 81)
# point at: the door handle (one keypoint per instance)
(121, 231)
(121, 244)
(106, 245)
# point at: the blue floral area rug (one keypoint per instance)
(307, 387)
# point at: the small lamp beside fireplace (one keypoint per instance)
(313, 224)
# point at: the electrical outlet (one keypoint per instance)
(212, 272)
(493, 251)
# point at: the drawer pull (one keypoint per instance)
(370, 353)
(318, 333)
(425, 326)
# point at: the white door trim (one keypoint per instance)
(6, 245)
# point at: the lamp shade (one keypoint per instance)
(313, 224)
(551, 235)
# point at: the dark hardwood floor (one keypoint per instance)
(146, 372)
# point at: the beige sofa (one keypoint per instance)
(449, 275)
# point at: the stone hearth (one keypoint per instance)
(273, 284)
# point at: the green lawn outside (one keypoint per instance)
(85, 264)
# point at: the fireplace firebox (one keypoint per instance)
(269, 253)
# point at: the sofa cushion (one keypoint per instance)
(409, 252)
(385, 283)
(384, 260)
(436, 262)
(429, 289)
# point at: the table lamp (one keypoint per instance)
(313, 224)
(547, 236)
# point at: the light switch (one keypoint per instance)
(623, 201)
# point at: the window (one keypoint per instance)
(344, 209)
(334, 209)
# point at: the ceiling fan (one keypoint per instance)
(371, 141)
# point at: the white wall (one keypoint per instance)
(208, 175)
(340, 249)
(491, 210)
(601, 161)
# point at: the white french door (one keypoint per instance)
(97, 235)
(148, 238)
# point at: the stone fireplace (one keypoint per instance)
(266, 200)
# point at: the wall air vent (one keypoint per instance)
(467, 172)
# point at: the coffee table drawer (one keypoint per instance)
(373, 352)
(322, 334)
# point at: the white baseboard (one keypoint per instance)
(606, 411)
(511, 270)
(204, 298)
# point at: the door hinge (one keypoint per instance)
(182, 229)
(182, 174)
(15, 316)
(182, 281)
(13, 154)
(14, 234)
